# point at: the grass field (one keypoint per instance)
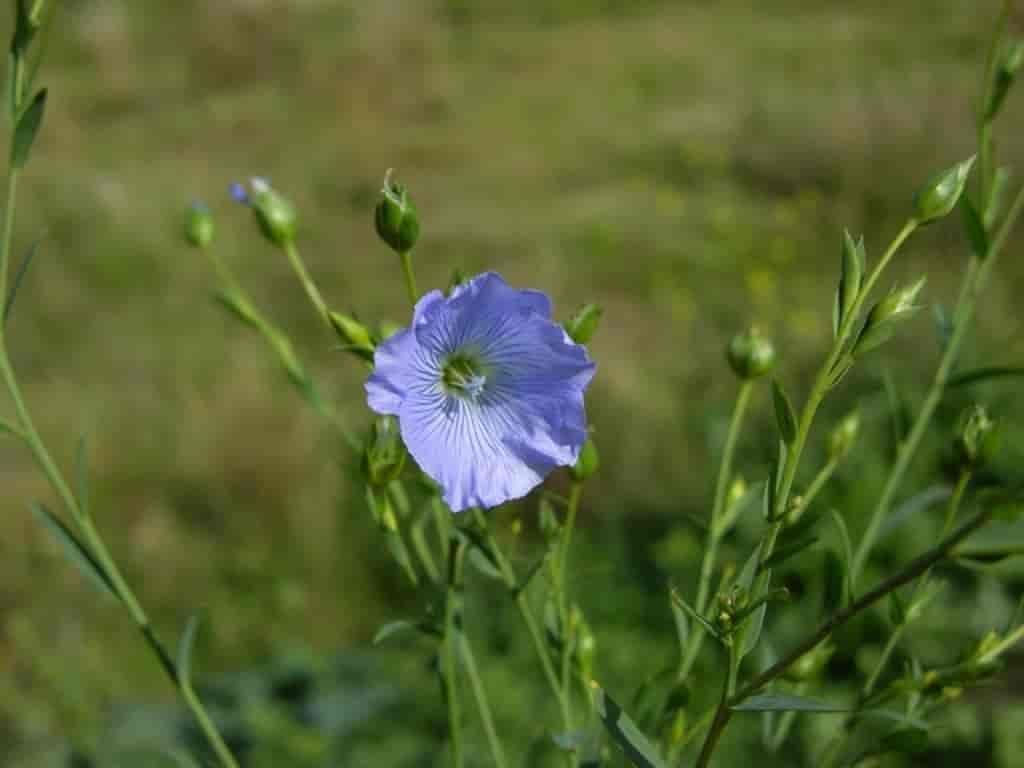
(689, 165)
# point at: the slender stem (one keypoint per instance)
(452, 619)
(292, 252)
(914, 569)
(984, 121)
(206, 725)
(575, 492)
(410, 276)
(473, 673)
(419, 543)
(722, 712)
(5, 245)
(715, 532)
(523, 604)
(974, 283)
(819, 481)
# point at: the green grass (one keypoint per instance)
(690, 166)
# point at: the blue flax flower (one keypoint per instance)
(488, 391)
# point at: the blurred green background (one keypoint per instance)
(689, 165)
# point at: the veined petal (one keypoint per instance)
(482, 453)
(398, 363)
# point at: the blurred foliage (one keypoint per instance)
(688, 165)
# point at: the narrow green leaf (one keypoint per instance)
(185, 647)
(977, 375)
(784, 552)
(681, 603)
(480, 562)
(682, 623)
(19, 276)
(974, 228)
(749, 570)
(784, 414)
(393, 628)
(624, 732)
(82, 466)
(75, 549)
(846, 550)
(996, 196)
(750, 632)
(24, 29)
(26, 130)
(996, 541)
(785, 702)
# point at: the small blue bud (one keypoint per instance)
(238, 193)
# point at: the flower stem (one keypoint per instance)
(452, 618)
(692, 649)
(299, 267)
(473, 673)
(410, 276)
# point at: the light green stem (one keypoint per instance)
(292, 252)
(450, 650)
(484, 707)
(410, 276)
(707, 566)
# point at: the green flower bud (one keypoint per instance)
(886, 315)
(750, 354)
(395, 217)
(384, 455)
(274, 214)
(199, 227)
(851, 278)
(353, 334)
(977, 440)
(588, 462)
(1006, 73)
(939, 196)
(583, 324)
(843, 436)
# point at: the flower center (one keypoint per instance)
(462, 374)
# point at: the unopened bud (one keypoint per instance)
(384, 455)
(940, 194)
(750, 354)
(977, 440)
(583, 324)
(353, 334)
(588, 462)
(843, 436)
(886, 315)
(395, 217)
(274, 214)
(199, 226)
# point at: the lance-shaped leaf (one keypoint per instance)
(19, 276)
(786, 702)
(75, 549)
(846, 551)
(851, 278)
(996, 541)
(678, 600)
(979, 375)
(26, 130)
(784, 415)
(393, 628)
(974, 228)
(637, 747)
(185, 648)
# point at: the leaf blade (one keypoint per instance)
(637, 747)
(78, 553)
(26, 130)
(785, 702)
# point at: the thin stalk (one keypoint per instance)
(410, 276)
(984, 122)
(722, 712)
(452, 619)
(975, 281)
(575, 492)
(292, 252)
(482, 704)
(523, 604)
(914, 569)
(707, 565)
